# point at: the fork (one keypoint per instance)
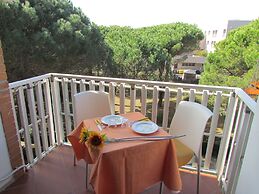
(143, 119)
(99, 125)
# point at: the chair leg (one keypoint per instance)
(198, 173)
(74, 160)
(161, 187)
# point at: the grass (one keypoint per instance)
(149, 101)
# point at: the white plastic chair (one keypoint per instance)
(91, 104)
(190, 119)
(87, 105)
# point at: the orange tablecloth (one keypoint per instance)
(129, 167)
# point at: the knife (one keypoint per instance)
(147, 138)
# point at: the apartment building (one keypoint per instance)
(212, 36)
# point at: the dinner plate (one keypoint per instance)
(145, 127)
(113, 120)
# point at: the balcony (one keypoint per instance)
(43, 110)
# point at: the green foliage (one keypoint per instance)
(40, 36)
(146, 53)
(235, 59)
(202, 53)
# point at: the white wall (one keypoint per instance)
(198, 66)
(5, 166)
(248, 181)
(210, 38)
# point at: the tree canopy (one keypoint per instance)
(146, 53)
(235, 60)
(42, 36)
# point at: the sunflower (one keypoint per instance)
(84, 134)
(95, 139)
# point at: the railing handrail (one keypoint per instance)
(249, 102)
(146, 82)
(29, 80)
(243, 96)
(122, 80)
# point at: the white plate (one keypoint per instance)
(113, 120)
(145, 127)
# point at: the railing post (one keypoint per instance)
(49, 112)
(234, 153)
(24, 124)
(122, 98)
(230, 115)
(41, 111)
(179, 96)
(66, 105)
(91, 85)
(112, 96)
(154, 104)
(33, 116)
(144, 99)
(205, 96)
(132, 98)
(73, 92)
(56, 107)
(213, 127)
(101, 86)
(192, 95)
(166, 108)
(82, 85)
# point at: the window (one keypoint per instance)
(224, 32)
(208, 32)
(213, 43)
(208, 42)
(214, 33)
(188, 64)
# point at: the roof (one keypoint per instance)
(254, 89)
(194, 59)
(189, 59)
(233, 24)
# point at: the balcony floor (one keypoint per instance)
(55, 174)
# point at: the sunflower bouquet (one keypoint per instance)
(93, 139)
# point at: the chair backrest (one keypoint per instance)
(91, 104)
(190, 119)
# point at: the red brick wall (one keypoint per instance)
(8, 118)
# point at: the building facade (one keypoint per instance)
(189, 68)
(213, 36)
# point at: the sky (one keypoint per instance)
(207, 14)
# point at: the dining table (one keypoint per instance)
(128, 167)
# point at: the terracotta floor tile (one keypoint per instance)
(55, 174)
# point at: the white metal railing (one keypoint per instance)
(43, 109)
(230, 165)
(32, 105)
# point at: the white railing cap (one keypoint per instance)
(146, 82)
